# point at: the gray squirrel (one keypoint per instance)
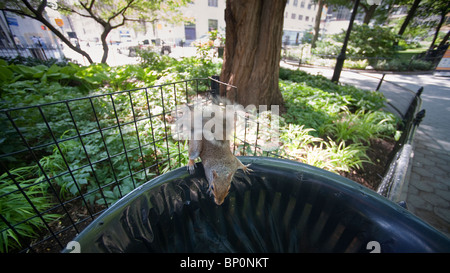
(213, 148)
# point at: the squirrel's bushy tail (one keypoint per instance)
(215, 121)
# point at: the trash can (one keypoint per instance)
(282, 206)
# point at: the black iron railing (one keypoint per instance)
(63, 163)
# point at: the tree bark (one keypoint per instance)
(442, 43)
(408, 18)
(103, 36)
(341, 57)
(438, 28)
(252, 51)
(369, 12)
(317, 23)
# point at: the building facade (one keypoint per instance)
(299, 18)
(23, 36)
(206, 15)
(203, 16)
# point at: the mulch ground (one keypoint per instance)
(372, 173)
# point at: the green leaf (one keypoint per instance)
(5, 74)
(44, 78)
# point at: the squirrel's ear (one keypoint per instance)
(214, 174)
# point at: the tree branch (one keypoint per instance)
(71, 10)
(42, 6)
(18, 12)
(92, 15)
(29, 6)
(92, 4)
(121, 11)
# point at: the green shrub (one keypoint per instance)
(329, 125)
(18, 211)
(362, 126)
(153, 60)
(327, 47)
(300, 145)
(356, 64)
(356, 98)
(403, 65)
(365, 42)
(369, 41)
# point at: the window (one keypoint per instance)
(293, 16)
(295, 3)
(302, 4)
(309, 6)
(306, 18)
(286, 15)
(189, 31)
(212, 24)
(212, 3)
(300, 17)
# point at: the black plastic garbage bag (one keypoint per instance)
(283, 206)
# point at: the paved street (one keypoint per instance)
(428, 187)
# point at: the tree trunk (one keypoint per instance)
(252, 51)
(341, 57)
(103, 37)
(442, 43)
(369, 13)
(317, 23)
(408, 18)
(438, 28)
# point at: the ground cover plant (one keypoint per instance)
(326, 125)
(75, 158)
(332, 126)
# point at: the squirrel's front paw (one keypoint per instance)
(246, 169)
(191, 166)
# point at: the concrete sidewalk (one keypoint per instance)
(428, 187)
(428, 192)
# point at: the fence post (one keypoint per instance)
(215, 86)
(381, 81)
(419, 117)
(419, 92)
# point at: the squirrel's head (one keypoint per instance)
(220, 186)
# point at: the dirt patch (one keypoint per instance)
(372, 173)
(64, 229)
